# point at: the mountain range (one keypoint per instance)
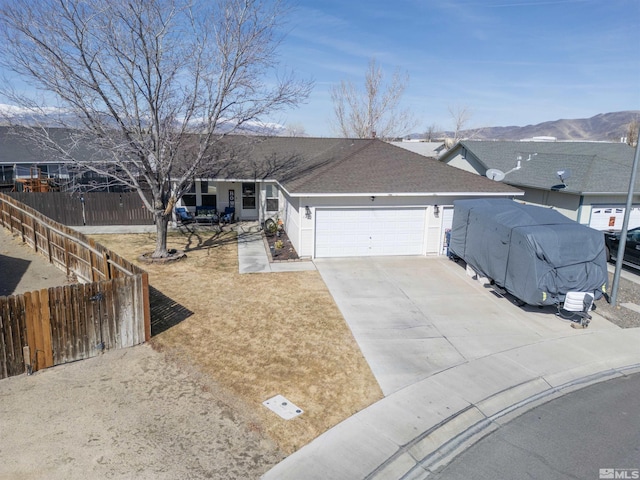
(605, 127)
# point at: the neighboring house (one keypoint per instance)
(428, 149)
(593, 189)
(345, 197)
(23, 162)
(19, 160)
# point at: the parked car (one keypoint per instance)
(631, 248)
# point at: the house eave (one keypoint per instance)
(603, 194)
(408, 194)
(236, 180)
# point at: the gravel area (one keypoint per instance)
(628, 292)
(280, 247)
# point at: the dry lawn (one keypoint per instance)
(258, 335)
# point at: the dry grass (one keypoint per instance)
(259, 335)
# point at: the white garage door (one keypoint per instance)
(369, 232)
(606, 217)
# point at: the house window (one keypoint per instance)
(209, 201)
(6, 174)
(272, 198)
(248, 196)
(189, 200)
(208, 192)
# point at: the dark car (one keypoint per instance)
(631, 248)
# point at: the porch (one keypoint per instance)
(251, 200)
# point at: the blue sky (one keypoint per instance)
(511, 62)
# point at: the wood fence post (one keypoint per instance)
(31, 320)
(45, 319)
(106, 266)
(4, 322)
(146, 307)
(48, 236)
(92, 264)
(22, 225)
(35, 234)
(66, 254)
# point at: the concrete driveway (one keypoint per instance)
(416, 316)
(455, 363)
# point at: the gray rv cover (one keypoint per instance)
(534, 253)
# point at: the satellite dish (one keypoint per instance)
(564, 175)
(495, 174)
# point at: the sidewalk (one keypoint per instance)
(415, 430)
(253, 258)
(114, 229)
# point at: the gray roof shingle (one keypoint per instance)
(341, 166)
(596, 168)
(311, 166)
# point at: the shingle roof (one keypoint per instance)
(355, 166)
(15, 147)
(596, 168)
(304, 165)
(373, 166)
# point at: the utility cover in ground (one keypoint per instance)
(282, 407)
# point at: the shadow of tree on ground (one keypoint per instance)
(165, 312)
(12, 270)
(202, 239)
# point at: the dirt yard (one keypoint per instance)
(189, 405)
(22, 270)
(127, 414)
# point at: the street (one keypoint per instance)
(591, 433)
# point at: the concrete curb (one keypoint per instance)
(416, 431)
(469, 426)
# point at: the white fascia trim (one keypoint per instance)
(416, 194)
(376, 194)
(599, 194)
(236, 180)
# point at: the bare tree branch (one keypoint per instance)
(148, 84)
(374, 112)
(632, 132)
(432, 132)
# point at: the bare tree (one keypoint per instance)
(374, 112)
(460, 116)
(152, 86)
(632, 132)
(295, 129)
(432, 132)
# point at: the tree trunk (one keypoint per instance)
(162, 222)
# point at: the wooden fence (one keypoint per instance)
(108, 308)
(91, 208)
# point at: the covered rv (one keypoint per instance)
(534, 253)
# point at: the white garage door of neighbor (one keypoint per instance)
(447, 223)
(611, 217)
(369, 232)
